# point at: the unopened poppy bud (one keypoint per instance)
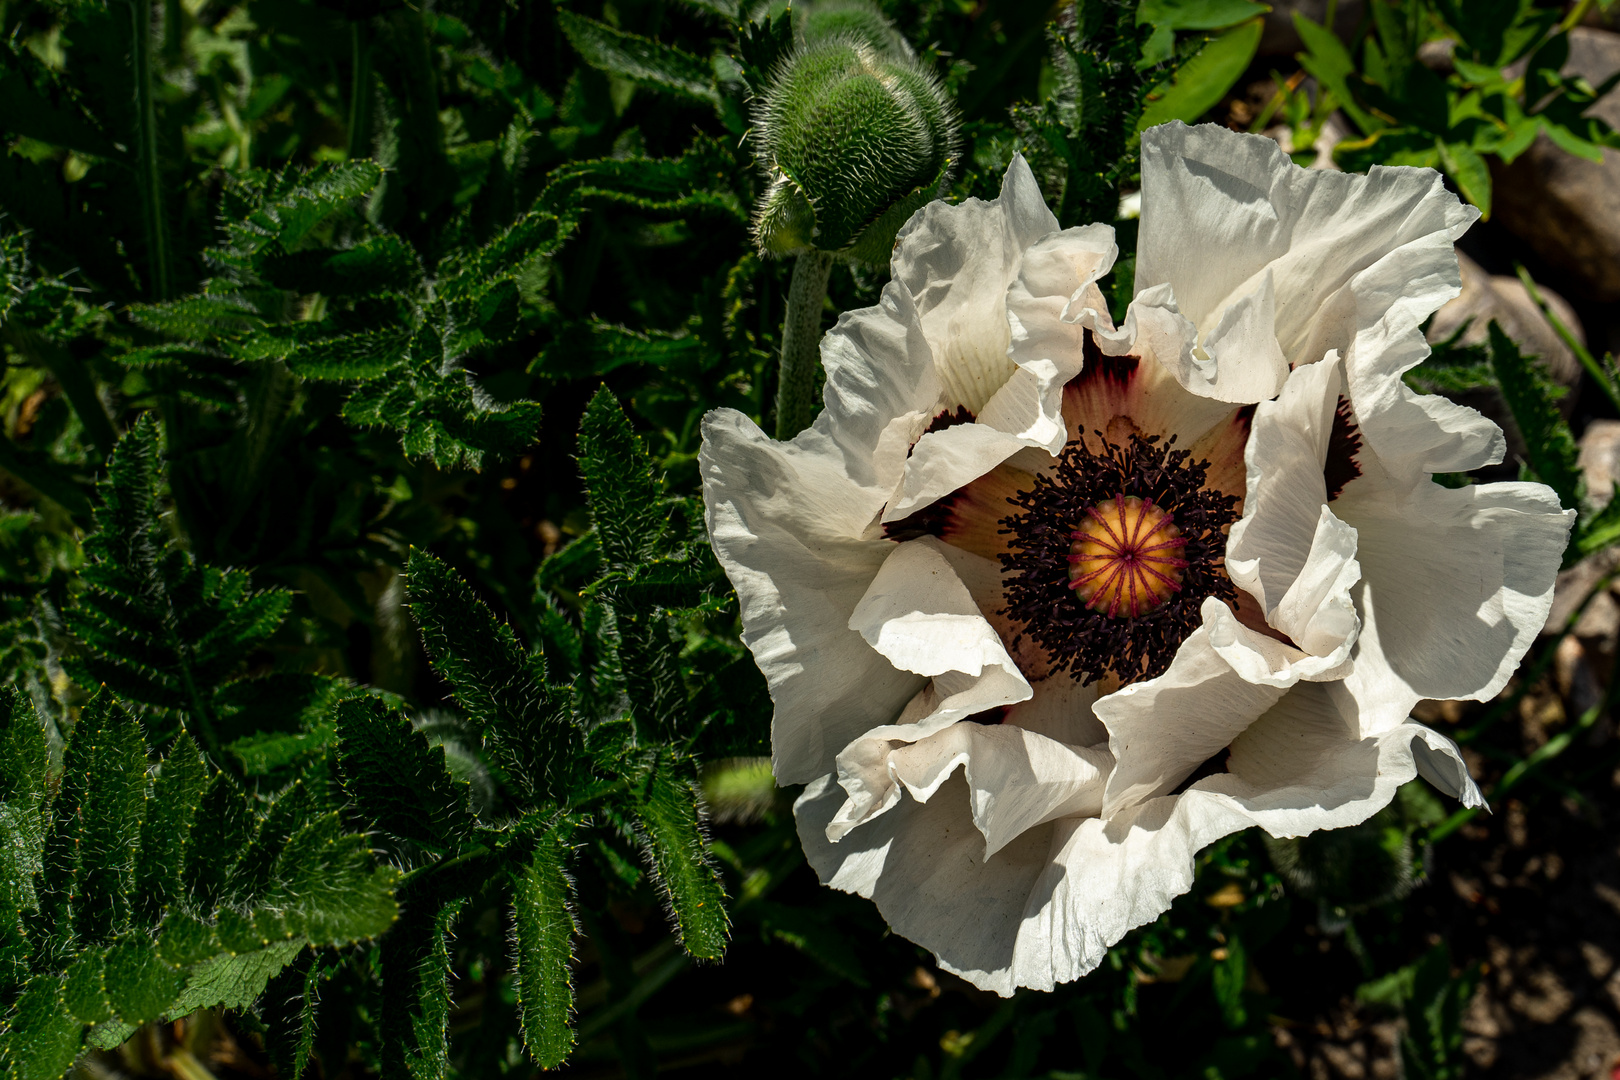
(853, 140)
(851, 20)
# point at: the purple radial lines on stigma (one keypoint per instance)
(1125, 557)
(1111, 553)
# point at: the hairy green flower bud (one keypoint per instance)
(853, 140)
(851, 20)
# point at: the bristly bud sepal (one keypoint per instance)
(853, 140)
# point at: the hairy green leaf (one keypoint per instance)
(1532, 396)
(427, 1054)
(111, 811)
(160, 630)
(619, 479)
(176, 793)
(290, 1006)
(140, 984)
(502, 690)
(544, 950)
(639, 59)
(668, 821)
(42, 1037)
(327, 887)
(84, 988)
(23, 763)
(398, 780)
(222, 827)
(234, 981)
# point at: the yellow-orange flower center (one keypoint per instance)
(1125, 559)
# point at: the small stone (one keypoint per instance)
(1563, 206)
(1600, 459)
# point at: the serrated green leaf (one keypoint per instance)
(677, 853)
(639, 59)
(1199, 83)
(502, 691)
(111, 812)
(23, 763)
(265, 753)
(61, 863)
(649, 655)
(43, 1037)
(84, 989)
(293, 203)
(398, 780)
(234, 981)
(1532, 397)
(351, 357)
(424, 1051)
(109, 1034)
(220, 832)
(599, 348)
(543, 946)
(327, 886)
(374, 265)
(290, 1016)
(160, 630)
(186, 940)
(160, 865)
(200, 317)
(140, 984)
(619, 481)
(291, 811)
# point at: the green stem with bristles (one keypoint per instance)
(148, 181)
(359, 93)
(801, 343)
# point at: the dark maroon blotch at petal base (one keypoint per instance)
(1344, 443)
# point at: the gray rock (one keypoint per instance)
(1565, 207)
(1485, 297)
(1600, 459)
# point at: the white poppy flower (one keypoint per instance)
(1047, 605)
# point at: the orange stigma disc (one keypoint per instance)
(1125, 559)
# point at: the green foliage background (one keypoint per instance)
(366, 664)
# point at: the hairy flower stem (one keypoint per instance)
(801, 343)
(149, 183)
(359, 92)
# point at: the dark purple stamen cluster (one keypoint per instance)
(1086, 643)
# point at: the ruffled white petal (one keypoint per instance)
(1288, 443)
(1046, 908)
(783, 522)
(1456, 583)
(1017, 779)
(957, 262)
(795, 526)
(1296, 770)
(943, 461)
(919, 615)
(1220, 212)
(1055, 298)
(924, 866)
(1162, 729)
